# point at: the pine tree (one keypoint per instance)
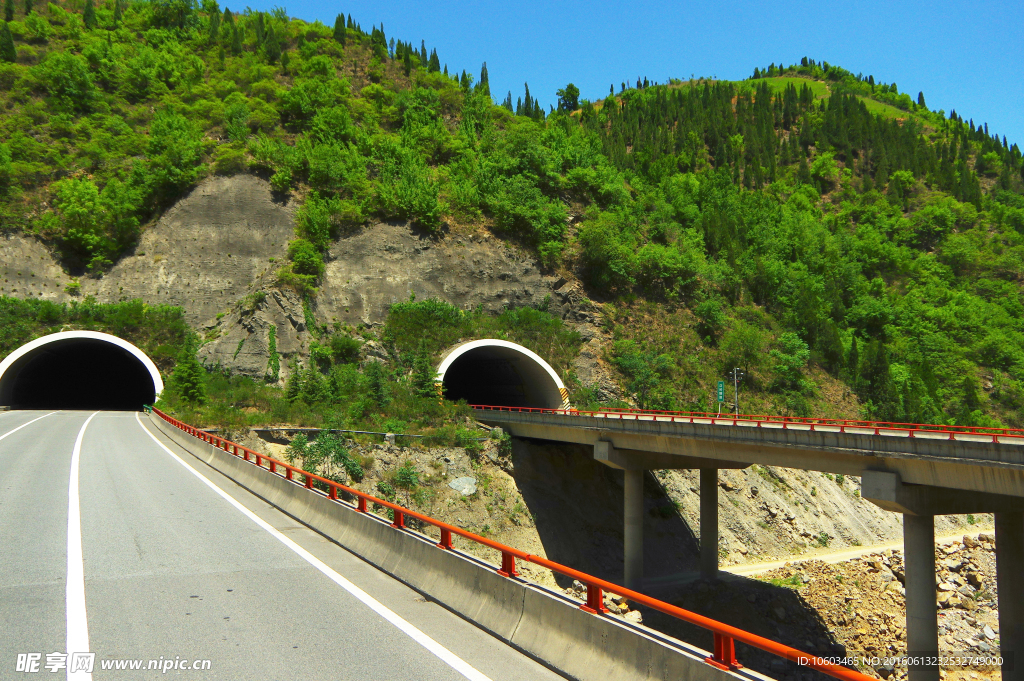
(89, 15)
(339, 29)
(407, 61)
(351, 24)
(7, 51)
(28, 7)
(434, 65)
(920, 99)
(423, 53)
(8, 10)
(117, 13)
(285, 59)
(236, 41)
(188, 374)
(293, 386)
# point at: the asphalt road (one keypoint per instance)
(174, 570)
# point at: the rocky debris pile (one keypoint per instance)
(617, 605)
(862, 602)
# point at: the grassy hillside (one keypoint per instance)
(850, 249)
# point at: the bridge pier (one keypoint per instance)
(1009, 573)
(709, 523)
(919, 505)
(633, 536)
(922, 613)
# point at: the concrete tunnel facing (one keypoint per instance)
(78, 370)
(499, 373)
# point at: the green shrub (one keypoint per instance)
(228, 161)
(67, 80)
(306, 259)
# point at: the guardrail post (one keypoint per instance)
(446, 540)
(361, 505)
(595, 600)
(273, 467)
(334, 492)
(399, 522)
(725, 654)
(309, 481)
(508, 565)
(259, 461)
(288, 474)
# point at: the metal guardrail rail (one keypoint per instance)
(909, 430)
(725, 636)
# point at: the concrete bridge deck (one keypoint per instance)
(918, 470)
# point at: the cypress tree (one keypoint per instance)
(272, 46)
(339, 29)
(261, 29)
(920, 99)
(423, 373)
(7, 51)
(434, 65)
(236, 40)
(853, 359)
(89, 15)
(350, 24)
(407, 62)
(214, 24)
(485, 81)
(9, 10)
(423, 53)
(117, 13)
(188, 374)
(28, 7)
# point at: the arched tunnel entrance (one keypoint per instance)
(499, 373)
(78, 370)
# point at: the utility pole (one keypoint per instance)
(737, 374)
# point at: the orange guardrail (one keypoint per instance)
(725, 636)
(759, 420)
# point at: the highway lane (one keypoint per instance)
(172, 569)
(34, 463)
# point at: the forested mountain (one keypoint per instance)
(808, 225)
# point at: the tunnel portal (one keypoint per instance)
(78, 370)
(499, 373)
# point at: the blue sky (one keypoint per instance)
(967, 56)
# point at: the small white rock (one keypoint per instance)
(989, 634)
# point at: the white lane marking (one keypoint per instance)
(78, 623)
(24, 425)
(445, 655)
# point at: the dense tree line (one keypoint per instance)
(881, 239)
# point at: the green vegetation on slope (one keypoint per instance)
(808, 220)
(159, 330)
(394, 393)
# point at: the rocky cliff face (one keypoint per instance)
(206, 252)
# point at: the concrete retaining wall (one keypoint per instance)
(543, 624)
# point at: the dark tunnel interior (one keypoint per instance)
(500, 376)
(79, 373)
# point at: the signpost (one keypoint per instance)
(721, 396)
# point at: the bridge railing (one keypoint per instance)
(761, 421)
(725, 636)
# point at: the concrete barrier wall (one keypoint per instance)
(544, 624)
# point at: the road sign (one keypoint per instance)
(721, 391)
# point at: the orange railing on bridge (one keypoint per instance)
(725, 636)
(761, 420)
